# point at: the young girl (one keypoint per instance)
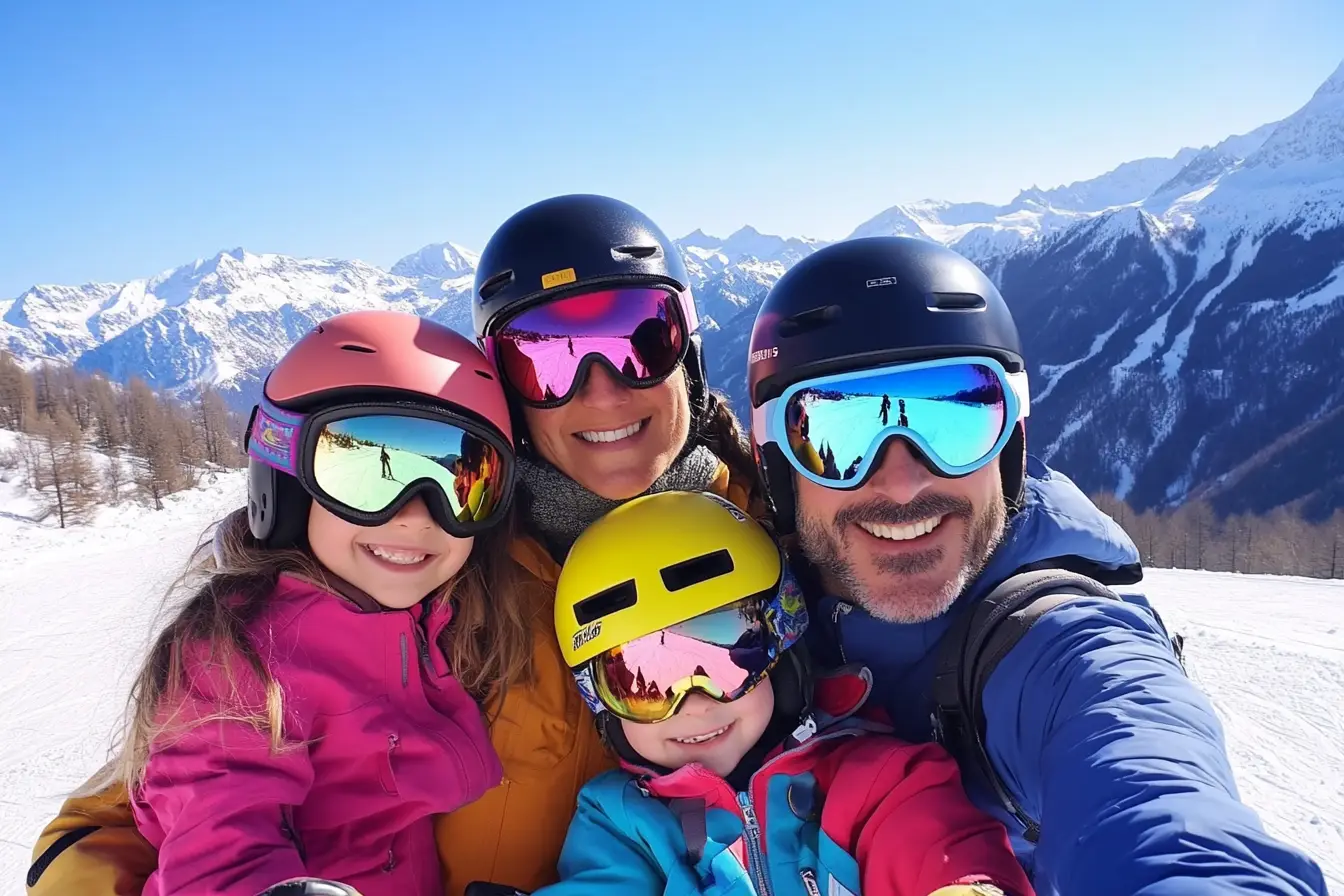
(301, 715)
(742, 774)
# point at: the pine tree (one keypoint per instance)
(65, 468)
(18, 397)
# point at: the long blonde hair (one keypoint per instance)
(488, 644)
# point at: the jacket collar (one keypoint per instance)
(432, 612)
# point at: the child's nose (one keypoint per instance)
(415, 514)
(696, 704)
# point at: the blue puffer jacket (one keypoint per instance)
(1092, 724)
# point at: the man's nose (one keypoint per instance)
(899, 475)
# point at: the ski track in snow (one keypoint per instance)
(78, 609)
(80, 605)
(1269, 652)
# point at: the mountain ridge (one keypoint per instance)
(1167, 305)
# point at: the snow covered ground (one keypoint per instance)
(77, 608)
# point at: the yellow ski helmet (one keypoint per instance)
(659, 561)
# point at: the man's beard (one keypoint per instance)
(899, 597)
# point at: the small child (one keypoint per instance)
(300, 716)
(742, 774)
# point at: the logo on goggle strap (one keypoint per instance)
(586, 634)
(881, 281)
(271, 437)
(764, 354)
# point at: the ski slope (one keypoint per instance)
(77, 608)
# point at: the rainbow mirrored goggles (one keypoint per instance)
(958, 413)
(722, 654)
(364, 461)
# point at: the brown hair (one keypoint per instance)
(488, 644)
(720, 432)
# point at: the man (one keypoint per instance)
(1114, 774)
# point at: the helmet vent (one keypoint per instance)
(352, 347)
(604, 603)
(484, 375)
(621, 253)
(807, 321)
(956, 301)
(496, 283)
(696, 570)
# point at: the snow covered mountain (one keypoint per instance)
(441, 261)
(1203, 306)
(1170, 307)
(1189, 344)
(221, 320)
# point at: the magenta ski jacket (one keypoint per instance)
(378, 737)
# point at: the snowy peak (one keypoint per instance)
(1215, 161)
(748, 242)
(1242, 146)
(698, 239)
(899, 220)
(1310, 137)
(53, 321)
(218, 275)
(214, 318)
(980, 228)
(745, 243)
(438, 261)
(1123, 185)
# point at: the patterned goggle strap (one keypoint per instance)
(273, 437)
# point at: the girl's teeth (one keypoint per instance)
(902, 533)
(612, 435)
(701, 738)
(401, 558)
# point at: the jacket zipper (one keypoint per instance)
(422, 641)
(839, 632)
(405, 662)
(754, 858)
(291, 831)
(752, 828)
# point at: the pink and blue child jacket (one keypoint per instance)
(847, 811)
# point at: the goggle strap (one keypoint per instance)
(274, 438)
(1021, 385)
(692, 319)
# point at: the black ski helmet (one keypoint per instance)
(591, 242)
(865, 302)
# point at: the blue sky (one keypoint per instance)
(136, 137)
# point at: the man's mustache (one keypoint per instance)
(884, 511)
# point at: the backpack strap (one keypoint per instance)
(690, 813)
(64, 842)
(972, 649)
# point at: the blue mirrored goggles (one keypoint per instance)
(957, 412)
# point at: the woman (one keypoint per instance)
(584, 305)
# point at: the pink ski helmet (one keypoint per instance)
(369, 356)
